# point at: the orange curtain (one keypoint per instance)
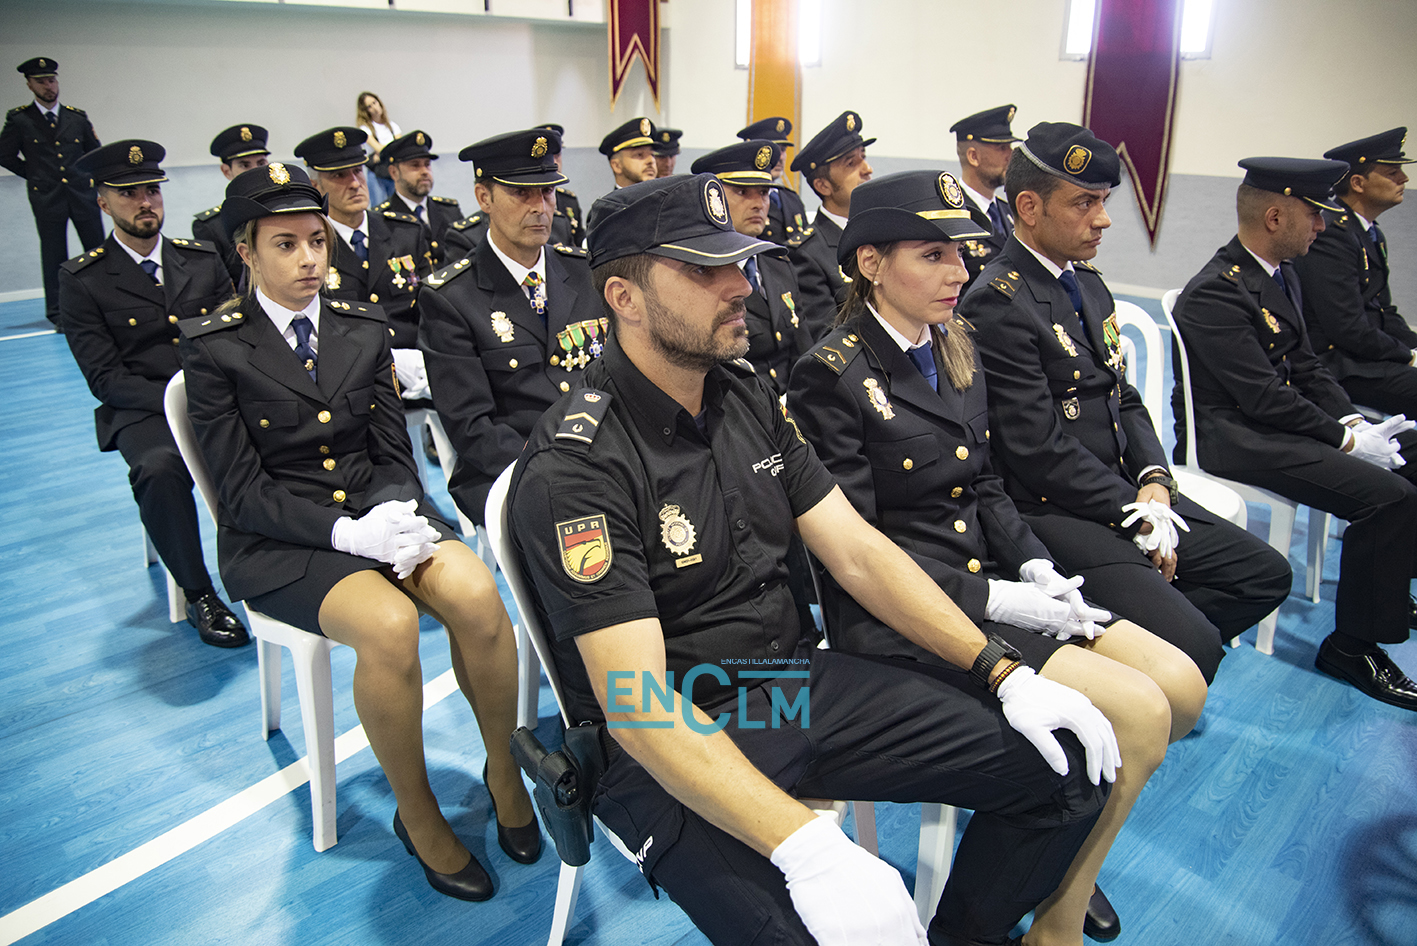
(774, 78)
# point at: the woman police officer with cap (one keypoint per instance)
(893, 400)
(323, 523)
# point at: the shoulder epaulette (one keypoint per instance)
(17, 108)
(583, 415)
(566, 190)
(838, 349)
(1085, 265)
(77, 111)
(807, 231)
(1006, 284)
(451, 202)
(466, 222)
(796, 239)
(565, 249)
(384, 206)
(208, 214)
(1337, 220)
(83, 259)
(206, 324)
(401, 217)
(1232, 274)
(201, 246)
(741, 366)
(448, 273)
(366, 310)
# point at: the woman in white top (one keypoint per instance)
(369, 114)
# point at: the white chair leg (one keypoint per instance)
(441, 444)
(932, 864)
(415, 436)
(149, 550)
(1281, 531)
(864, 814)
(484, 549)
(176, 599)
(568, 889)
(317, 714)
(1318, 546)
(268, 668)
(528, 679)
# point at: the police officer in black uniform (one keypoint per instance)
(496, 361)
(776, 335)
(666, 150)
(240, 148)
(787, 215)
(568, 205)
(120, 304)
(629, 150)
(1267, 412)
(653, 508)
(984, 143)
(1076, 446)
(410, 162)
(833, 162)
(1359, 335)
(40, 143)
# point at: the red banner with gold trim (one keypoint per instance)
(1130, 99)
(634, 33)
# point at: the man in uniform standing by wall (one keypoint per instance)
(240, 148)
(40, 143)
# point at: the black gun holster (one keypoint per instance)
(565, 785)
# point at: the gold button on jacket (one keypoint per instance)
(324, 417)
(339, 495)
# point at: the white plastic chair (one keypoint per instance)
(176, 599)
(1281, 509)
(568, 885)
(309, 652)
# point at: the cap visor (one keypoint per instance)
(632, 143)
(244, 154)
(1324, 203)
(342, 166)
(745, 177)
(715, 249)
(1398, 160)
(136, 181)
(539, 179)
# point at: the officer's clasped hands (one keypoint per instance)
(1083, 619)
(1035, 706)
(1163, 536)
(1045, 602)
(1374, 443)
(845, 896)
(391, 532)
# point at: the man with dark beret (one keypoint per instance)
(787, 215)
(666, 150)
(984, 142)
(630, 151)
(1359, 335)
(120, 304)
(410, 161)
(833, 162)
(1076, 447)
(239, 148)
(1268, 413)
(41, 142)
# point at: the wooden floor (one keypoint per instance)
(129, 749)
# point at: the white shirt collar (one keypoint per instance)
(980, 200)
(1265, 264)
(517, 270)
(904, 343)
(282, 317)
(1047, 263)
(347, 232)
(155, 255)
(412, 207)
(839, 221)
(46, 109)
(1367, 224)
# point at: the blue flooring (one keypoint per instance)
(1291, 817)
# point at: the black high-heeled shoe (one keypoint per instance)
(470, 883)
(523, 844)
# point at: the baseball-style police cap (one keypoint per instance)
(239, 141)
(40, 67)
(744, 162)
(774, 129)
(833, 141)
(334, 149)
(1361, 155)
(1073, 153)
(415, 144)
(124, 163)
(517, 158)
(666, 141)
(635, 133)
(262, 192)
(1309, 179)
(682, 218)
(911, 205)
(991, 126)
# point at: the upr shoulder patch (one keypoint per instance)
(585, 547)
(584, 413)
(838, 350)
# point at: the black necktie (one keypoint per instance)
(750, 269)
(924, 359)
(1378, 240)
(418, 212)
(1070, 285)
(53, 119)
(150, 267)
(1284, 285)
(996, 216)
(303, 351)
(361, 249)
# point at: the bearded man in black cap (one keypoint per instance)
(410, 161)
(834, 163)
(40, 142)
(666, 150)
(787, 215)
(630, 151)
(1359, 335)
(984, 143)
(240, 148)
(508, 329)
(120, 304)
(1268, 413)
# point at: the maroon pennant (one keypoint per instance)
(1130, 98)
(634, 33)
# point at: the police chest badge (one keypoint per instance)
(1071, 408)
(678, 535)
(502, 326)
(1270, 320)
(878, 399)
(1065, 340)
(332, 279)
(585, 548)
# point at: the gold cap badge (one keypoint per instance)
(713, 200)
(950, 191)
(1011, 114)
(278, 173)
(781, 126)
(340, 139)
(764, 155)
(419, 138)
(245, 133)
(538, 147)
(644, 127)
(135, 155)
(850, 122)
(1075, 161)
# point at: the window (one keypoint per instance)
(809, 33)
(1197, 17)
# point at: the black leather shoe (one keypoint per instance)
(1101, 922)
(470, 883)
(215, 623)
(523, 844)
(1373, 673)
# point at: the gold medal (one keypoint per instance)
(502, 326)
(1065, 340)
(877, 396)
(1270, 320)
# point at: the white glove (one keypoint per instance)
(1035, 706)
(1040, 573)
(1163, 519)
(1374, 446)
(412, 375)
(410, 557)
(1394, 425)
(382, 532)
(845, 896)
(1023, 605)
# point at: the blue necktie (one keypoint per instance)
(418, 212)
(1378, 240)
(1070, 285)
(150, 267)
(360, 249)
(924, 359)
(1284, 284)
(774, 198)
(996, 217)
(750, 269)
(303, 351)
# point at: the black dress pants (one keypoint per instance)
(163, 488)
(879, 729)
(1394, 391)
(52, 221)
